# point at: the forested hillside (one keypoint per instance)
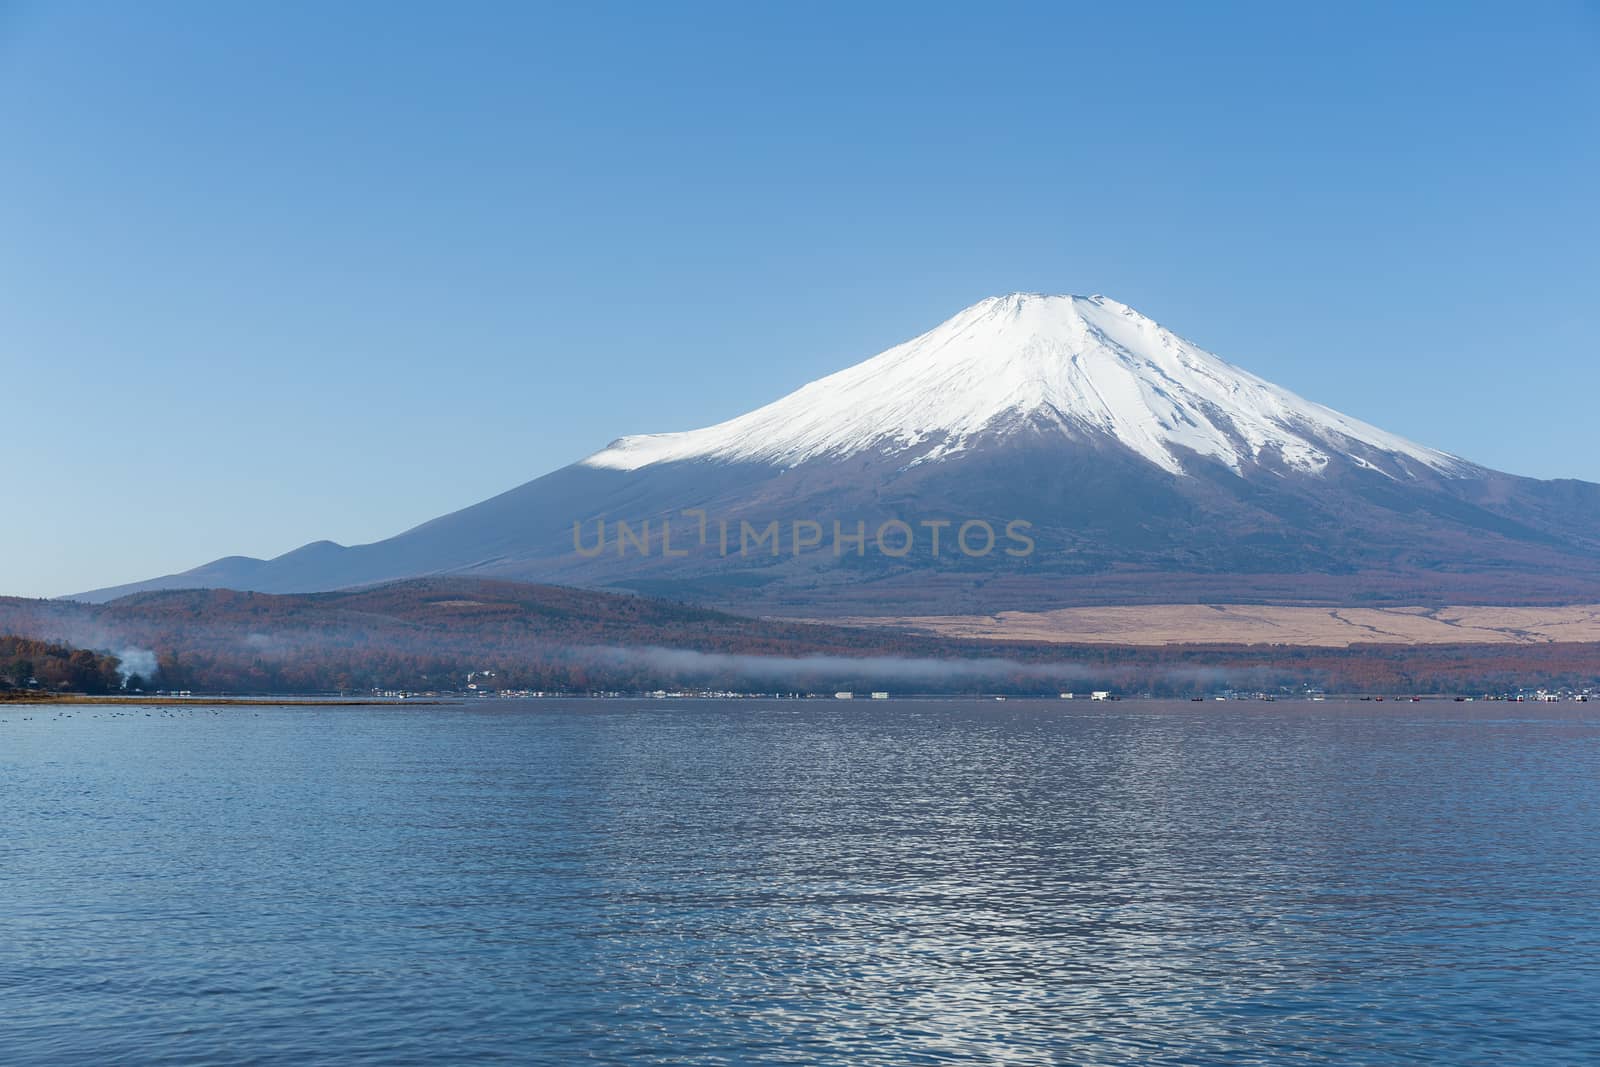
(428, 634)
(30, 664)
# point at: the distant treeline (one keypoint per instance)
(428, 634)
(29, 664)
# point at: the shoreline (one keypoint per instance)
(26, 699)
(16, 699)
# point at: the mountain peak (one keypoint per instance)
(1060, 305)
(1019, 304)
(1086, 367)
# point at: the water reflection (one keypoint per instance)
(801, 883)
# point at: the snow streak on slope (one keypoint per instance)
(1088, 366)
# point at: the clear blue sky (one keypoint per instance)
(277, 272)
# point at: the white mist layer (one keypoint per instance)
(1087, 365)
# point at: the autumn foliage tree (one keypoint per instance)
(27, 664)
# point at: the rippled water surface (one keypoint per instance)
(766, 882)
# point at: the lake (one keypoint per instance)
(801, 882)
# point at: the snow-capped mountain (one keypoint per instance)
(1138, 467)
(1085, 365)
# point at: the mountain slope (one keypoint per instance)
(1140, 468)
